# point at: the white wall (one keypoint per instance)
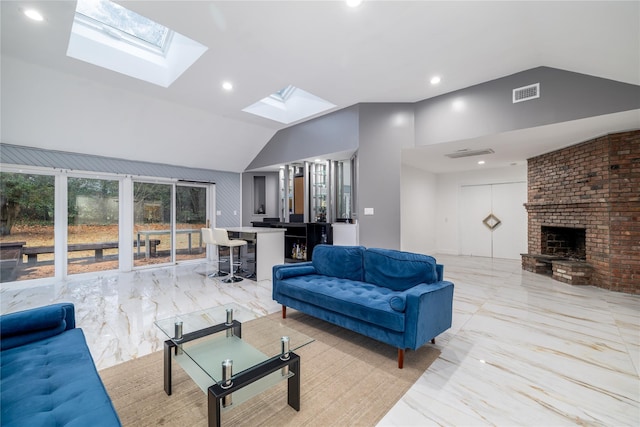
(48, 109)
(418, 210)
(447, 200)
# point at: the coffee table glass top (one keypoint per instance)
(258, 340)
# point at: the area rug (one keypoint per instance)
(346, 379)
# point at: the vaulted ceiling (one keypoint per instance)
(382, 51)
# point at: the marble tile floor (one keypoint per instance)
(523, 349)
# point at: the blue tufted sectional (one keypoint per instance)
(395, 297)
(47, 375)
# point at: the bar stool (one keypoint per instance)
(221, 238)
(251, 247)
(207, 238)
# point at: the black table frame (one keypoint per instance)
(216, 393)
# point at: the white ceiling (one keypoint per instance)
(383, 51)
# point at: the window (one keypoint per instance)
(26, 226)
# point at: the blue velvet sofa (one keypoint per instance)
(395, 297)
(47, 375)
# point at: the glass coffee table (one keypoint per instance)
(232, 354)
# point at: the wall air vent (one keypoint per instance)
(465, 152)
(526, 93)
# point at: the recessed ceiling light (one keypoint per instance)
(354, 3)
(227, 85)
(481, 162)
(435, 80)
(34, 14)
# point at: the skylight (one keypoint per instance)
(119, 22)
(283, 94)
(113, 37)
(288, 105)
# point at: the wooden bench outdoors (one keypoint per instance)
(99, 247)
(10, 258)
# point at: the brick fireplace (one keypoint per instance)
(564, 242)
(583, 205)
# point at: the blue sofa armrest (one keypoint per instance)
(429, 312)
(285, 271)
(32, 325)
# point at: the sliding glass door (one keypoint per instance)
(158, 238)
(191, 216)
(152, 223)
(54, 225)
(92, 225)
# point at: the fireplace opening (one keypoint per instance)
(564, 242)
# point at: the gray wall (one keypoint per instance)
(380, 132)
(487, 108)
(333, 133)
(385, 129)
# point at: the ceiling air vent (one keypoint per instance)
(526, 93)
(465, 152)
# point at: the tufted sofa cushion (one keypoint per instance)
(398, 270)
(344, 262)
(53, 382)
(359, 300)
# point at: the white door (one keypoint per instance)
(504, 234)
(510, 237)
(475, 205)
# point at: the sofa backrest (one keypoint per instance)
(344, 262)
(398, 270)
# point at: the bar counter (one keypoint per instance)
(269, 247)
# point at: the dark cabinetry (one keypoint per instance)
(301, 238)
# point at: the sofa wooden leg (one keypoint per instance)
(433, 340)
(400, 358)
(284, 311)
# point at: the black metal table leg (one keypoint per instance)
(216, 393)
(235, 327)
(293, 385)
(214, 408)
(167, 366)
